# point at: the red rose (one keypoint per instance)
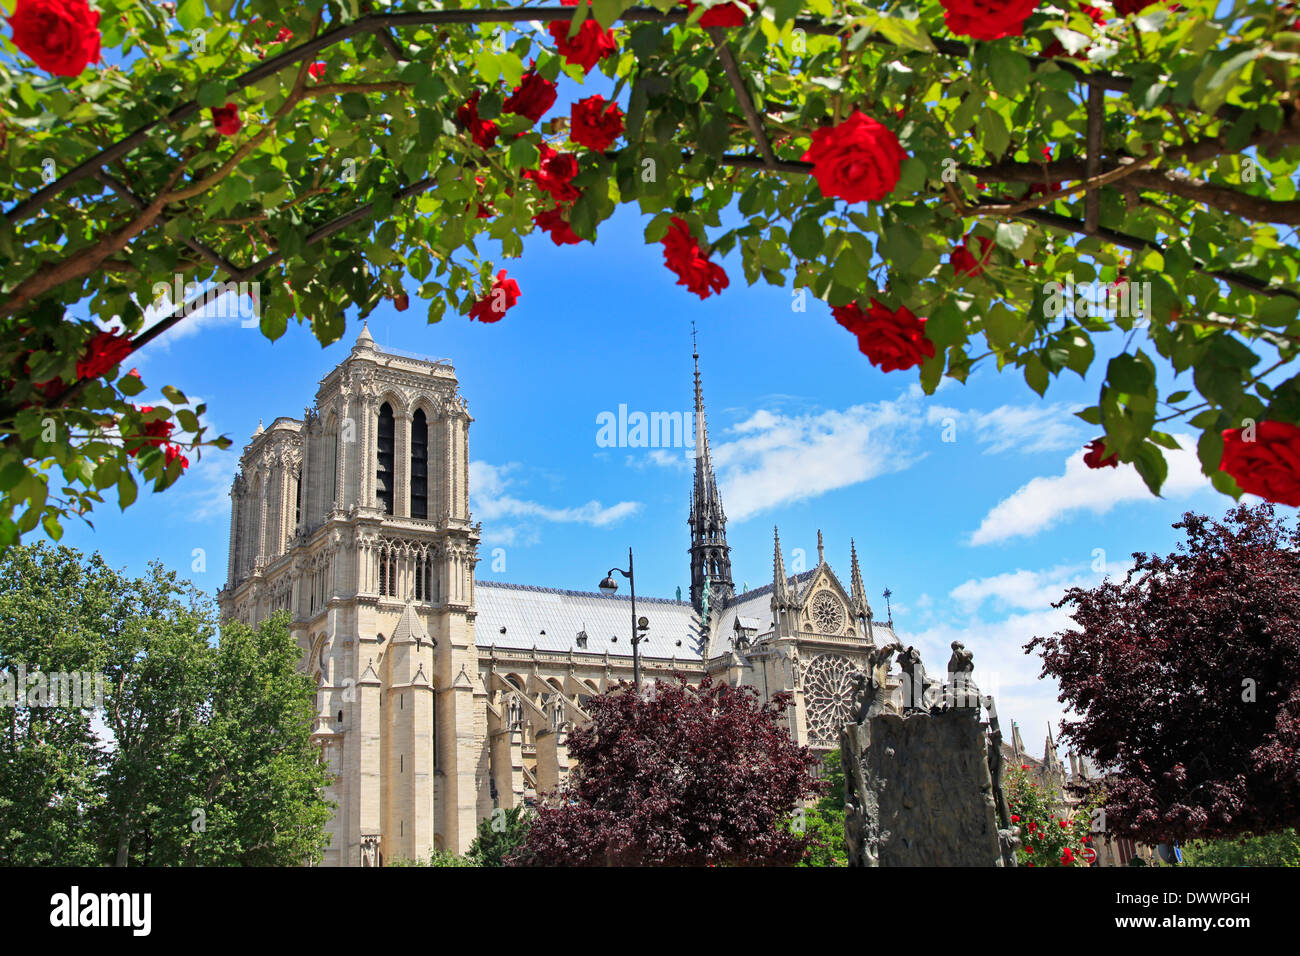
(857, 160)
(965, 264)
(891, 340)
(61, 36)
(284, 36)
(1067, 856)
(154, 433)
(682, 255)
(173, 452)
(722, 15)
(1029, 849)
(104, 351)
(553, 222)
(316, 70)
(226, 119)
(987, 19)
(1014, 818)
(482, 132)
(1127, 7)
(592, 44)
(1095, 455)
(594, 123)
(532, 97)
(502, 296)
(1268, 465)
(554, 173)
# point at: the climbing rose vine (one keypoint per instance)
(945, 168)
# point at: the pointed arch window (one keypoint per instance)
(384, 456)
(419, 465)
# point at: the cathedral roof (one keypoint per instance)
(551, 619)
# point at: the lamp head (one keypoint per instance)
(609, 584)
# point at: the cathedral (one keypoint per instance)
(442, 697)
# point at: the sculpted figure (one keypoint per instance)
(914, 680)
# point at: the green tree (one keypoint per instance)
(436, 858)
(963, 163)
(824, 821)
(499, 835)
(202, 754)
(1274, 849)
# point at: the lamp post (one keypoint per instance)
(609, 585)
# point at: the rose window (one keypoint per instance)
(828, 696)
(827, 613)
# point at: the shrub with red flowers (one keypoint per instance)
(1049, 835)
(843, 150)
(678, 775)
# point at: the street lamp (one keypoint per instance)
(639, 625)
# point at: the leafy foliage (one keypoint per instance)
(824, 822)
(437, 858)
(1276, 849)
(204, 754)
(500, 835)
(1048, 836)
(1187, 679)
(328, 158)
(678, 776)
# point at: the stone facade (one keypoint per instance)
(441, 696)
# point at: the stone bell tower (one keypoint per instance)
(355, 519)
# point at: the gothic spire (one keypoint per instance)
(860, 606)
(780, 586)
(710, 556)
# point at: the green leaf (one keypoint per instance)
(522, 154)
(806, 238)
(1151, 465)
(212, 94)
(1009, 71)
(354, 106)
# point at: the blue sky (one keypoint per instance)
(976, 536)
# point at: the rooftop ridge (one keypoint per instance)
(799, 578)
(539, 589)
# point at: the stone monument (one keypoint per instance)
(923, 783)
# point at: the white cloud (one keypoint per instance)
(1026, 428)
(488, 492)
(773, 458)
(1045, 501)
(777, 459)
(1027, 590)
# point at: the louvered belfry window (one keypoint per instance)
(384, 449)
(419, 465)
